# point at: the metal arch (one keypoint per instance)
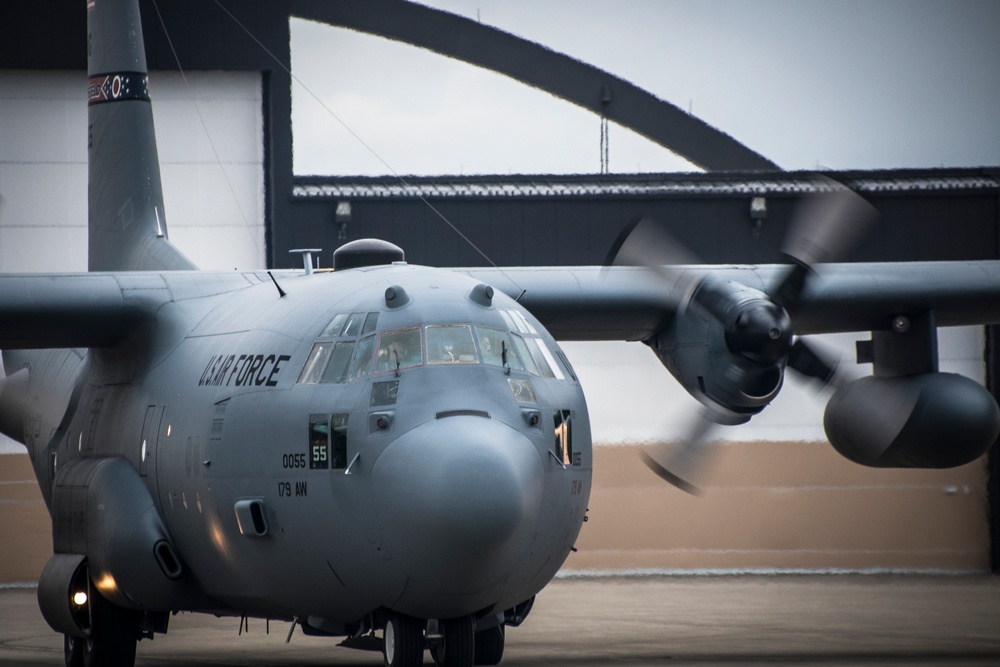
(535, 65)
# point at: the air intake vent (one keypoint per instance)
(252, 517)
(167, 559)
(462, 413)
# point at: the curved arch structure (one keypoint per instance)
(535, 65)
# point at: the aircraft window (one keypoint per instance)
(522, 350)
(319, 441)
(522, 390)
(384, 393)
(315, 363)
(563, 436)
(399, 349)
(523, 325)
(516, 321)
(566, 364)
(335, 326)
(339, 363)
(495, 345)
(354, 324)
(370, 323)
(327, 441)
(451, 344)
(508, 320)
(547, 353)
(542, 360)
(338, 441)
(361, 365)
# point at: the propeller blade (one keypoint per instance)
(828, 224)
(688, 461)
(807, 361)
(824, 228)
(644, 243)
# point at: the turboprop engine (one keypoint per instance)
(729, 346)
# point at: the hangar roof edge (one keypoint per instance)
(641, 185)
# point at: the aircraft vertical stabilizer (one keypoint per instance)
(127, 223)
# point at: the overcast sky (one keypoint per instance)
(846, 84)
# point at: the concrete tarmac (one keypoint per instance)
(788, 620)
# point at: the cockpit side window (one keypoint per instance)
(547, 364)
(315, 363)
(522, 351)
(329, 361)
(399, 349)
(361, 365)
(370, 323)
(451, 344)
(339, 363)
(354, 324)
(516, 321)
(336, 325)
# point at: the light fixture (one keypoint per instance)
(342, 216)
(80, 598)
(343, 211)
(758, 213)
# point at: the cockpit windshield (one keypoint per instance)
(450, 344)
(349, 348)
(399, 349)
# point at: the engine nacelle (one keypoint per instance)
(931, 420)
(727, 348)
(63, 594)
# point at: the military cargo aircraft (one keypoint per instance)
(393, 454)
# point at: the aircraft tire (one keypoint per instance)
(489, 646)
(114, 633)
(458, 647)
(404, 641)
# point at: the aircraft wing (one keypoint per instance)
(574, 303)
(65, 310)
(632, 303)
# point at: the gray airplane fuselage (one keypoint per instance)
(388, 437)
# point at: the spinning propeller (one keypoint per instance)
(727, 343)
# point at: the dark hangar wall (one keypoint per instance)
(940, 214)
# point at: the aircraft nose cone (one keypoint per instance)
(458, 495)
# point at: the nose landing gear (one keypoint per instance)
(456, 648)
(452, 642)
(404, 641)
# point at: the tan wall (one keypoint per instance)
(784, 505)
(770, 505)
(25, 527)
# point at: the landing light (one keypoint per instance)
(80, 598)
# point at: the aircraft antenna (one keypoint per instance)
(208, 135)
(371, 150)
